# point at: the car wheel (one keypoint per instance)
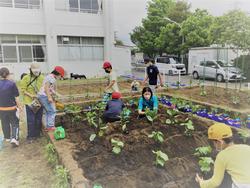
(195, 75)
(170, 72)
(220, 78)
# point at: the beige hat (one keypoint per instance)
(35, 66)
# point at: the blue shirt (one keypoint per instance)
(152, 103)
(114, 108)
(8, 93)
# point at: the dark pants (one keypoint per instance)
(10, 124)
(34, 122)
(107, 118)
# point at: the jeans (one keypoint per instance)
(34, 122)
(10, 124)
(50, 110)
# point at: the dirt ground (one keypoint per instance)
(217, 96)
(26, 165)
(89, 89)
(135, 167)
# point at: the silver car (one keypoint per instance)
(218, 70)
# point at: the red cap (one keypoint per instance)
(106, 64)
(60, 70)
(116, 95)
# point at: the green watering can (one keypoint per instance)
(59, 133)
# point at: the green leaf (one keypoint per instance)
(203, 151)
(92, 137)
(116, 150)
(160, 162)
(160, 139)
(168, 121)
(150, 118)
(124, 127)
(161, 157)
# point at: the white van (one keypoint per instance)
(170, 65)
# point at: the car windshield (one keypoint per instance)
(224, 64)
(173, 61)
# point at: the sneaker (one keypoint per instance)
(14, 142)
(7, 139)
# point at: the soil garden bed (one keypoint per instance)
(239, 100)
(135, 165)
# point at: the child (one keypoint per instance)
(152, 74)
(135, 86)
(9, 104)
(113, 108)
(47, 95)
(112, 79)
(147, 100)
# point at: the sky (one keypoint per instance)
(129, 13)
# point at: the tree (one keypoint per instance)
(233, 29)
(170, 40)
(197, 30)
(146, 36)
(119, 42)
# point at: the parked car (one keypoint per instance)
(170, 65)
(218, 70)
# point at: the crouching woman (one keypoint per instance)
(232, 159)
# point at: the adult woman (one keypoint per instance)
(9, 103)
(232, 158)
(147, 100)
(30, 86)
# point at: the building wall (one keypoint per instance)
(51, 22)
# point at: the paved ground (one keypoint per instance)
(185, 79)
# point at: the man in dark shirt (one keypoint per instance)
(152, 74)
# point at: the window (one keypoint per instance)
(202, 63)
(73, 4)
(22, 48)
(10, 54)
(5, 3)
(25, 54)
(80, 48)
(88, 6)
(8, 39)
(21, 3)
(1, 55)
(38, 53)
(85, 5)
(210, 64)
(164, 60)
(28, 4)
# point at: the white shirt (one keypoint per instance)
(51, 80)
(113, 77)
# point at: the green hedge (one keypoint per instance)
(243, 62)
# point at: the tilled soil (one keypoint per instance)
(134, 167)
(218, 96)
